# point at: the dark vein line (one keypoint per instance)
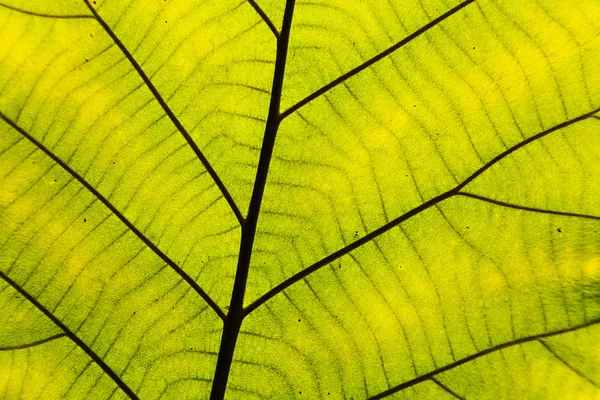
(236, 313)
(56, 16)
(367, 238)
(568, 365)
(33, 344)
(170, 114)
(373, 60)
(524, 143)
(447, 389)
(524, 208)
(345, 250)
(265, 18)
(472, 357)
(72, 336)
(119, 215)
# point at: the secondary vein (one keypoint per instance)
(472, 357)
(43, 15)
(415, 211)
(264, 17)
(566, 363)
(33, 344)
(108, 370)
(524, 208)
(211, 171)
(374, 59)
(119, 215)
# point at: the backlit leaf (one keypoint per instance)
(299, 199)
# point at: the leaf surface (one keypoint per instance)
(323, 199)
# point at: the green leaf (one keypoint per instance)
(326, 199)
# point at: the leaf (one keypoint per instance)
(266, 199)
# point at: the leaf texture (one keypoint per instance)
(304, 199)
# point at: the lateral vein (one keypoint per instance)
(112, 374)
(482, 353)
(374, 59)
(119, 215)
(33, 344)
(525, 208)
(409, 214)
(43, 15)
(211, 171)
(264, 17)
(447, 389)
(567, 364)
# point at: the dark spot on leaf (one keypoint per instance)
(85, 220)
(299, 320)
(473, 48)
(559, 230)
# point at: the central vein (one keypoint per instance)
(235, 316)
